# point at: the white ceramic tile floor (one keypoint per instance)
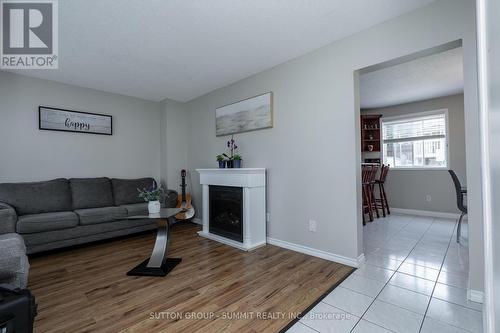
(412, 283)
(325, 318)
(375, 273)
(349, 301)
(454, 295)
(465, 318)
(364, 326)
(404, 298)
(419, 271)
(435, 326)
(301, 328)
(414, 280)
(393, 317)
(363, 285)
(453, 279)
(384, 262)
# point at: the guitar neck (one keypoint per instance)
(183, 189)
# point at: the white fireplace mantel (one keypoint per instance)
(253, 182)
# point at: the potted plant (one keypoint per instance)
(222, 161)
(231, 144)
(152, 196)
(237, 161)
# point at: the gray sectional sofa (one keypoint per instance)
(14, 265)
(65, 212)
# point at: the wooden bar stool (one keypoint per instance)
(368, 175)
(382, 202)
(373, 179)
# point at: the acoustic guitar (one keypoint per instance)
(184, 201)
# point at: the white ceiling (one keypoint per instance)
(429, 77)
(182, 49)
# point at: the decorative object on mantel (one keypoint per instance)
(233, 159)
(234, 206)
(250, 114)
(237, 161)
(152, 196)
(53, 119)
(221, 161)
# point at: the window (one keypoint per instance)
(416, 141)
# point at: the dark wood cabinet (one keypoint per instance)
(370, 133)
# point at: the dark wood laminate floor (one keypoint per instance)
(86, 289)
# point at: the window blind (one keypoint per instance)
(415, 128)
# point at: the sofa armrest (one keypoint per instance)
(14, 264)
(8, 218)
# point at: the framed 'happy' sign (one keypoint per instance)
(54, 119)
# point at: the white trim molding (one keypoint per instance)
(417, 212)
(475, 295)
(230, 242)
(361, 259)
(487, 53)
(353, 262)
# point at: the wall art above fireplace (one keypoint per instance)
(54, 119)
(247, 115)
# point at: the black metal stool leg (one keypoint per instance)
(459, 227)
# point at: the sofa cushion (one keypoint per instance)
(125, 190)
(91, 192)
(136, 209)
(79, 234)
(101, 215)
(27, 224)
(38, 197)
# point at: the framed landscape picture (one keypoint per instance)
(53, 119)
(247, 115)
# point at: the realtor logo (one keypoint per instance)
(29, 34)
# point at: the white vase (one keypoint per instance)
(154, 207)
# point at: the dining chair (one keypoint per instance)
(365, 176)
(373, 179)
(382, 201)
(461, 193)
(369, 173)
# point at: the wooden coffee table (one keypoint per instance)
(158, 264)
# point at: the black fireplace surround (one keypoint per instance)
(226, 212)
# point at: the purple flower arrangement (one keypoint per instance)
(232, 159)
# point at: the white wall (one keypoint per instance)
(29, 154)
(312, 153)
(175, 132)
(408, 189)
(489, 65)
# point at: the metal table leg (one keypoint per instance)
(161, 245)
(158, 264)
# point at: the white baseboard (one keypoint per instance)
(227, 241)
(197, 221)
(353, 262)
(361, 259)
(475, 295)
(424, 213)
